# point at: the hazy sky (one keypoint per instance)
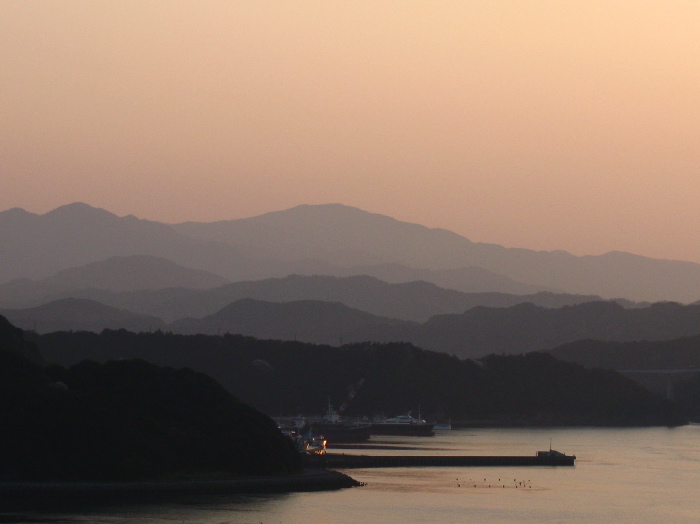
(550, 124)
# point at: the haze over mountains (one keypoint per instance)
(331, 240)
(416, 300)
(473, 334)
(75, 314)
(116, 274)
(330, 275)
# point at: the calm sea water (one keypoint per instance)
(621, 475)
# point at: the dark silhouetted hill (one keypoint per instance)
(127, 420)
(12, 341)
(525, 327)
(473, 334)
(288, 378)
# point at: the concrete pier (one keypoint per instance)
(339, 461)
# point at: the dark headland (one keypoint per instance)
(131, 429)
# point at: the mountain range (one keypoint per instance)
(333, 240)
(176, 292)
(474, 333)
(141, 273)
(75, 314)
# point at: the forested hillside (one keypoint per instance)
(287, 378)
(125, 419)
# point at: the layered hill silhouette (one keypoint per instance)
(307, 320)
(332, 240)
(292, 377)
(466, 279)
(75, 314)
(475, 333)
(125, 420)
(39, 246)
(116, 274)
(525, 327)
(78, 234)
(347, 236)
(135, 272)
(416, 301)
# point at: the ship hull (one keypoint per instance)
(411, 430)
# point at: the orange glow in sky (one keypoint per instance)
(537, 123)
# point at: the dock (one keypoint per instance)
(342, 461)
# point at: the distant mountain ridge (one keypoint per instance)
(348, 236)
(526, 327)
(415, 301)
(469, 279)
(39, 246)
(327, 239)
(116, 274)
(477, 332)
(79, 315)
(473, 334)
(341, 235)
(329, 323)
(135, 272)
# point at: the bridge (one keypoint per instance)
(672, 375)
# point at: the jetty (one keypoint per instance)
(342, 461)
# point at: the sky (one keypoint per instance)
(542, 124)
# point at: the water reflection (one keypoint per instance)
(194, 510)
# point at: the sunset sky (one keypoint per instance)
(544, 124)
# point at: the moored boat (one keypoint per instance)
(402, 425)
(337, 430)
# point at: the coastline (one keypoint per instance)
(33, 494)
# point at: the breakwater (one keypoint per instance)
(340, 461)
